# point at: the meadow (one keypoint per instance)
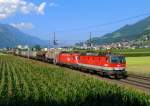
(140, 52)
(133, 50)
(138, 65)
(25, 82)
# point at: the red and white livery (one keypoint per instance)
(111, 65)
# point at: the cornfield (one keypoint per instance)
(26, 82)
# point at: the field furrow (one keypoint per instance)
(10, 83)
(5, 83)
(24, 90)
(1, 69)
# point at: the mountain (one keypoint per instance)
(11, 36)
(144, 39)
(128, 32)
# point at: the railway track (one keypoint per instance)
(138, 81)
(135, 81)
(139, 77)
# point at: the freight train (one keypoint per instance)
(107, 64)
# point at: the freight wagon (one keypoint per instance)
(30, 54)
(51, 56)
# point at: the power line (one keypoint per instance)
(106, 24)
(100, 25)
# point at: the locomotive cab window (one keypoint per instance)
(117, 59)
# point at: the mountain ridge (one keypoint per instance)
(127, 32)
(11, 36)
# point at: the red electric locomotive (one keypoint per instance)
(108, 64)
(69, 59)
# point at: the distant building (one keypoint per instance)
(26, 47)
(19, 46)
(44, 49)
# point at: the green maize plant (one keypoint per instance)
(25, 82)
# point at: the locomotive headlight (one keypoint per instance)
(105, 65)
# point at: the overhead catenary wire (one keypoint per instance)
(105, 24)
(102, 25)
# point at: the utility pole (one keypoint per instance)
(55, 52)
(14, 44)
(90, 42)
(28, 53)
(54, 41)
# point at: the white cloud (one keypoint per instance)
(30, 7)
(8, 7)
(41, 8)
(52, 4)
(23, 25)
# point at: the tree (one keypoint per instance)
(37, 47)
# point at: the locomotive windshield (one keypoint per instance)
(117, 59)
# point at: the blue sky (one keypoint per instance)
(72, 20)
